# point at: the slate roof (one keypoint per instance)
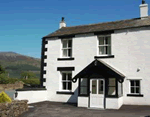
(99, 27)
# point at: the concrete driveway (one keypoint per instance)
(56, 109)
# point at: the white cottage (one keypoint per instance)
(102, 65)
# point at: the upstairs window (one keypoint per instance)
(67, 48)
(104, 45)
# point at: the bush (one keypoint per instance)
(12, 80)
(4, 79)
(31, 81)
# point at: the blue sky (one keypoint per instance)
(24, 22)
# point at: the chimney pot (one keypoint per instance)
(62, 19)
(62, 23)
(143, 1)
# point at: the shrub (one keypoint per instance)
(4, 79)
(12, 80)
(31, 81)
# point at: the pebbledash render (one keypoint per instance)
(104, 65)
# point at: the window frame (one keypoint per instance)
(88, 84)
(104, 45)
(83, 86)
(67, 48)
(135, 87)
(116, 86)
(61, 81)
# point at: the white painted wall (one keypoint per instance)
(83, 101)
(82, 59)
(130, 47)
(120, 102)
(32, 96)
(114, 103)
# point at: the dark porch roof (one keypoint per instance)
(99, 68)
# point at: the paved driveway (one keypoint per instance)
(56, 109)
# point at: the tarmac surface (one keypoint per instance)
(56, 109)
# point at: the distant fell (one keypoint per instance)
(15, 63)
(13, 56)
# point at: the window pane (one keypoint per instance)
(137, 90)
(70, 52)
(94, 86)
(69, 43)
(83, 90)
(100, 88)
(65, 52)
(111, 91)
(107, 40)
(137, 83)
(112, 82)
(108, 49)
(101, 50)
(63, 76)
(101, 40)
(64, 42)
(83, 82)
(69, 76)
(132, 83)
(69, 85)
(64, 85)
(132, 89)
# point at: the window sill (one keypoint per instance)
(30, 89)
(83, 95)
(63, 59)
(66, 93)
(135, 95)
(109, 56)
(111, 96)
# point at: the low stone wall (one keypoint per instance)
(16, 85)
(13, 109)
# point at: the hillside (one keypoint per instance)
(15, 63)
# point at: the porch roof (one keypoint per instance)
(99, 68)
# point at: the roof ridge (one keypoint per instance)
(103, 26)
(102, 23)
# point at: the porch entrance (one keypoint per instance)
(97, 90)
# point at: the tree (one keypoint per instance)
(27, 74)
(2, 70)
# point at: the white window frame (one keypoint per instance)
(66, 48)
(98, 52)
(61, 81)
(135, 86)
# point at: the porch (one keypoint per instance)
(100, 86)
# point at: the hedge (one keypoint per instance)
(5, 80)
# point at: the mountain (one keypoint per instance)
(15, 63)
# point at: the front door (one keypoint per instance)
(97, 93)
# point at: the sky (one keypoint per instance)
(23, 23)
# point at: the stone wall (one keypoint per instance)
(16, 85)
(13, 109)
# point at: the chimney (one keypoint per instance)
(143, 9)
(62, 23)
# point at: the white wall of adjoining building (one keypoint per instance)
(32, 96)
